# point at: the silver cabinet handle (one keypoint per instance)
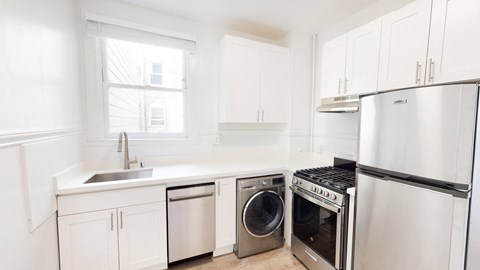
(121, 220)
(431, 72)
(310, 255)
(263, 114)
(258, 115)
(345, 86)
(339, 86)
(417, 73)
(111, 222)
(219, 185)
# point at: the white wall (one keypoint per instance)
(202, 100)
(301, 46)
(338, 133)
(39, 97)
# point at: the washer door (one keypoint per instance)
(263, 213)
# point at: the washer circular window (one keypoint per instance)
(263, 213)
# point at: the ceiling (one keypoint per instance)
(271, 19)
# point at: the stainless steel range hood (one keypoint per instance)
(342, 104)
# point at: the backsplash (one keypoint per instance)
(336, 134)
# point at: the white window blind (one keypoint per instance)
(108, 30)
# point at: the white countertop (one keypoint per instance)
(72, 181)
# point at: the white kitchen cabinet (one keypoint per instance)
(403, 50)
(363, 53)
(225, 214)
(142, 236)
(89, 241)
(334, 57)
(240, 80)
(254, 82)
(275, 84)
(287, 221)
(118, 229)
(453, 53)
(350, 62)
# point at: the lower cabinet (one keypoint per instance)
(133, 237)
(225, 214)
(89, 241)
(287, 221)
(142, 236)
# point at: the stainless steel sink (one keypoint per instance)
(118, 176)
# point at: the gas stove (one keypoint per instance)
(327, 183)
(320, 214)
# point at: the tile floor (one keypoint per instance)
(278, 259)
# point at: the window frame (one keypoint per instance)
(104, 86)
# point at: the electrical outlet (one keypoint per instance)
(216, 139)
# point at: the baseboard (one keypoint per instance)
(222, 251)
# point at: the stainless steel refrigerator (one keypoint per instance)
(416, 181)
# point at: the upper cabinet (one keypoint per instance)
(404, 42)
(275, 84)
(334, 55)
(453, 53)
(350, 62)
(363, 52)
(254, 82)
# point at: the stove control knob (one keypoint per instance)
(314, 189)
(319, 191)
(325, 193)
(295, 180)
(333, 196)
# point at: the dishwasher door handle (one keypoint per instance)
(190, 197)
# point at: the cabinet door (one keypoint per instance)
(240, 80)
(454, 39)
(404, 42)
(143, 236)
(333, 67)
(363, 53)
(89, 241)
(225, 210)
(275, 85)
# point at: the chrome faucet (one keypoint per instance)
(126, 158)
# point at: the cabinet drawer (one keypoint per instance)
(81, 203)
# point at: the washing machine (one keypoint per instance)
(260, 214)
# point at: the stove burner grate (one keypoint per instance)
(331, 177)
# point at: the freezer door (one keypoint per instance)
(426, 132)
(399, 226)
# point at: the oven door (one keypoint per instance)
(319, 225)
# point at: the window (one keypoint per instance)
(145, 87)
(156, 74)
(143, 81)
(157, 117)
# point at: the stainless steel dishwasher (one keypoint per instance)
(191, 221)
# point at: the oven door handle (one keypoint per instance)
(330, 206)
